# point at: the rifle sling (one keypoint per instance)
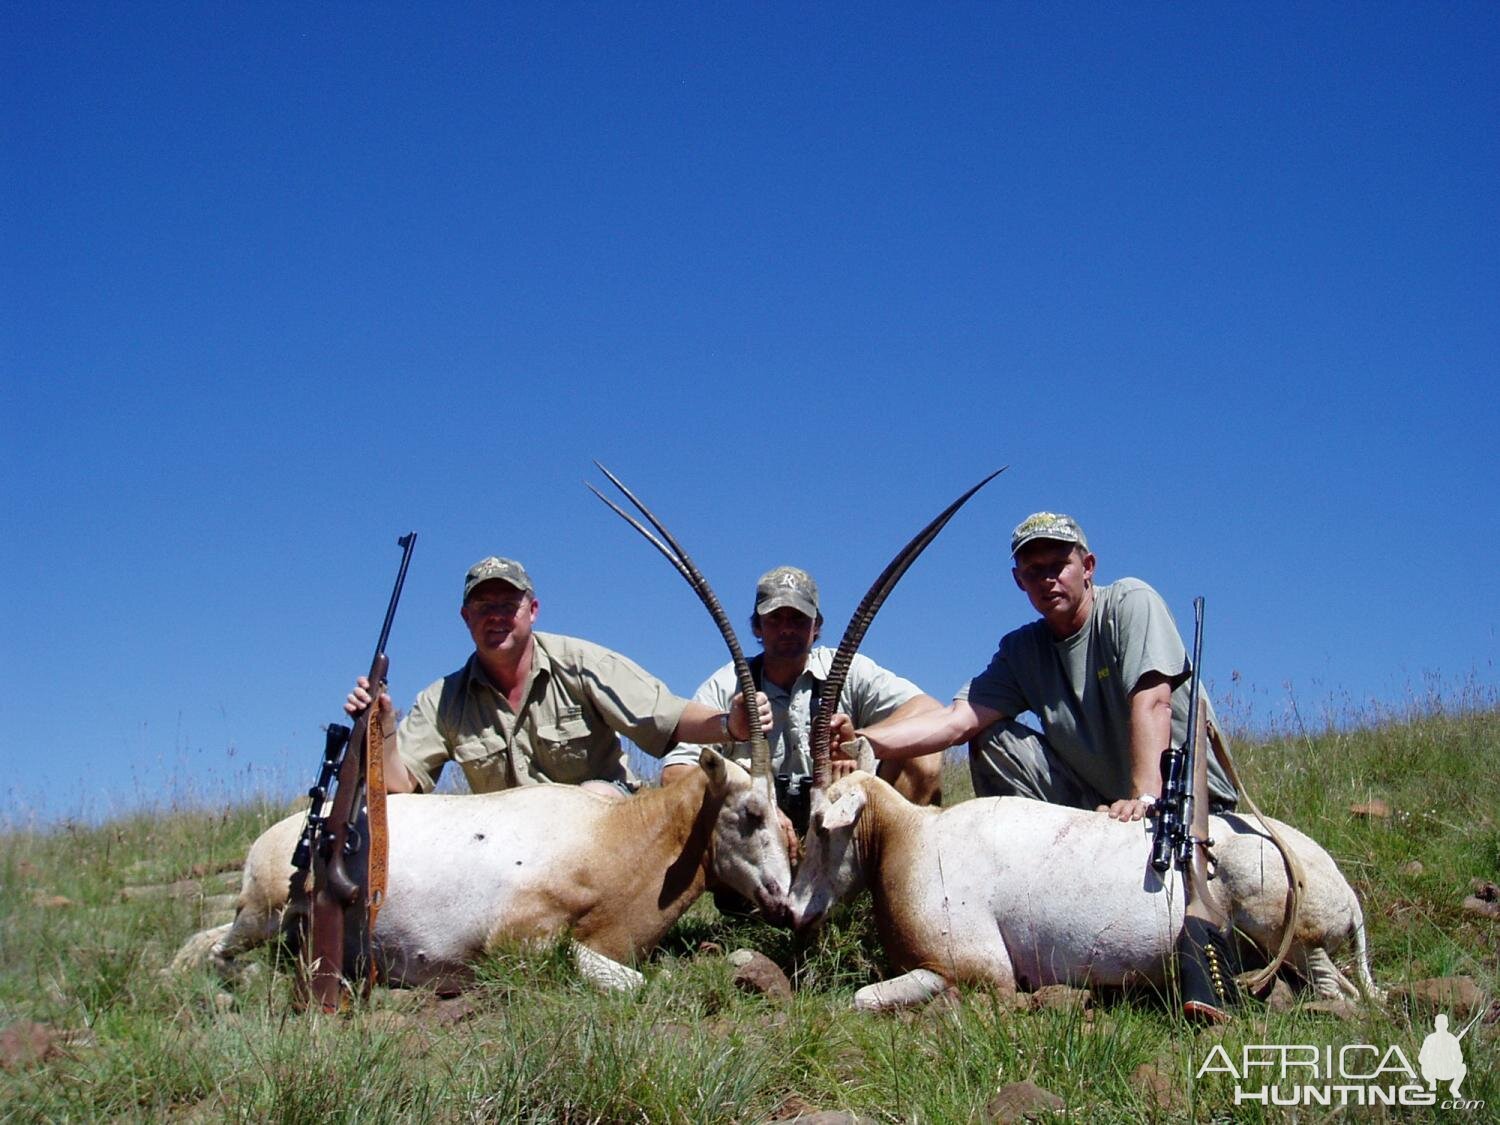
(379, 837)
(1296, 878)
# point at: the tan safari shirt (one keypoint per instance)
(580, 699)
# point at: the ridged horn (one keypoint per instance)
(859, 624)
(760, 750)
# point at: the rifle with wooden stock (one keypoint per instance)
(1205, 959)
(339, 866)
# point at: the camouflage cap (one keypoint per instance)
(506, 570)
(786, 586)
(1047, 525)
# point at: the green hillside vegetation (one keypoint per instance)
(89, 916)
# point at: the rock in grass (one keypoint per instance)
(1456, 996)
(1375, 809)
(1160, 1085)
(1061, 998)
(760, 975)
(28, 1043)
(1483, 907)
(1340, 1009)
(1281, 998)
(1021, 1101)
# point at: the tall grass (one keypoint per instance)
(538, 1045)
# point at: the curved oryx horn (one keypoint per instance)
(859, 624)
(760, 751)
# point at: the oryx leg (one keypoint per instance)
(915, 987)
(604, 973)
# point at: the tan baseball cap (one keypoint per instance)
(1047, 525)
(506, 570)
(786, 586)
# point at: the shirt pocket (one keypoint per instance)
(484, 762)
(562, 750)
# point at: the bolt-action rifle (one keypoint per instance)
(1205, 963)
(339, 866)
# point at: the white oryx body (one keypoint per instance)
(1018, 894)
(534, 864)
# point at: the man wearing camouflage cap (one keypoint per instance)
(790, 672)
(530, 707)
(1104, 671)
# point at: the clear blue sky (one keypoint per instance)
(282, 282)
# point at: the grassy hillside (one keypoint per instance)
(89, 916)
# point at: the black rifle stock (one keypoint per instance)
(1205, 962)
(328, 923)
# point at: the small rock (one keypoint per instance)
(742, 957)
(822, 1117)
(1021, 1101)
(1061, 998)
(1160, 1086)
(28, 1043)
(223, 1002)
(1483, 907)
(183, 888)
(50, 902)
(793, 1108)
(1414, 868)
(1340, 1009)
(446, 1013)
(1456, 996)
(390, 1021)
(1281, 997)
(1485, 891)
(1375, 809)
(764, 977)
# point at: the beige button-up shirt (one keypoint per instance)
(581, 697)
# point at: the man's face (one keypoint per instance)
(786, 633)
(499, 618)
(1058, 578)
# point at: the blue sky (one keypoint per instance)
(279, 283)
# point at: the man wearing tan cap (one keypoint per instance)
(790, 671)
(530, 707)
(1104, 671)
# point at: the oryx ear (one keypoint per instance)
(712, 763)
(844, 811)
(865, 759)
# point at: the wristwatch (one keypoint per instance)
(724, 722)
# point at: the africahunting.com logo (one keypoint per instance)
(1355, 1074)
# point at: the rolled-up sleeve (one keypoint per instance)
(423, 749)
(632, 702)
(996, 687)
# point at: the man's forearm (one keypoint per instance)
(1150, 734)
(928, 730)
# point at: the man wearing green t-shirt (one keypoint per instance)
(1105, 672)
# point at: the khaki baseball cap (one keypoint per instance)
(786, 586)
(506, 570)
(1047, 525)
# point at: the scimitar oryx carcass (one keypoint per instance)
(1017, 894)
(467, 873)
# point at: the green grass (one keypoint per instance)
(538, 1045)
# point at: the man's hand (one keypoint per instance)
(737, 715)
(843, 758)
(793, 844)
(1129, 808)
(358, 699)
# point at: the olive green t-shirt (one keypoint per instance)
(1080, 687)
(580, 699)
